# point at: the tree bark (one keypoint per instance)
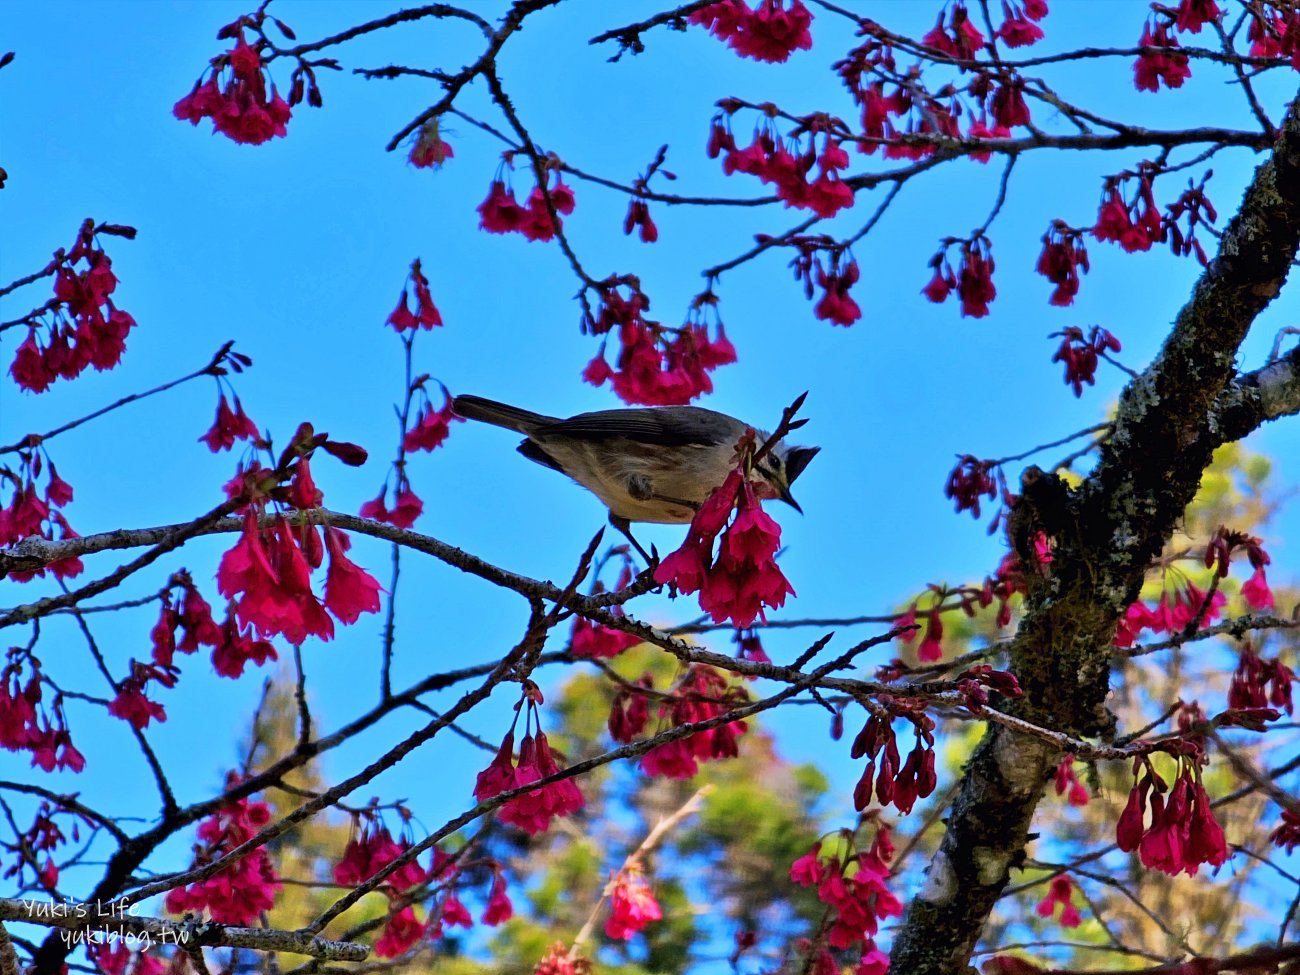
(1104, 536)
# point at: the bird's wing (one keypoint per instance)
(674, 426)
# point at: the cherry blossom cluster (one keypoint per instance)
(372, 848)
(976, 683)
(831, 266)
(80, 326)
(230, 425)
(1136, 223)
(632, 904)
(895, 781)
(1173, 613)
(132, 703)
(235, 90)
(595, 641)
(656, 365)
(501, 213)
(770, 30)
(972, 479)
(426, 314)
(233, 646)
(638, 211)
(115, 957)
(954, 33)
(786, 162)
(1162, 61)
(431, 426)
(428, 148)
(240, 892)
(267, 575)
(1274, 32)
(1060, 894)
(702, 693)
(749, 646)
(907, 119)
(559, 960)
(1061, 260)
(743, 579)
(1218, 555)
(1196, 208)
(531, 811)
(42, 838)
(1259, 684)
(1180, 833)
(854, 884)
(1187, 603)
(188, 611)
(33, 511)
(25, 722)
(1006, 582)
(973, 280)
(1080, 355)
(1066, 782)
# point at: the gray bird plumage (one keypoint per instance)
(653, 464)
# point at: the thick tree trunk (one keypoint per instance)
(1169, 421)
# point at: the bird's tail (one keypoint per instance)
(499, 414)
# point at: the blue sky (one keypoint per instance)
(297, 250)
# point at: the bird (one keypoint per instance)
(652, 464)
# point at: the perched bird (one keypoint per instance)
(655, 464)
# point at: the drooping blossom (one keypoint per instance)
(238, 648)
(771, 30)
(1068, 784)
(269, 579)
(1181, 833)
(970, 480)
(638, 218)
(655, 365)
(81, 326)
(238, 97)
(402, 932)
(240, 892)
(703, 693)
(1018, 28)
(1166, 64)
(531, 811)
(501, 212)
(1062, 260)
(432, 427)
(1259, 683)
(632, 905)
(229, 426)
(426, 314)
(499, 909)
(407, 505)
(372, 848)
(744, 579)
(856, 890)
(892, 779)
(429, 150)
(1059, 892)
(1080, 355)
(1192, 15)
(595, 641)
(349, 589)
(836, 305)
(131, 703)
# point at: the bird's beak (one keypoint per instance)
(785, 496)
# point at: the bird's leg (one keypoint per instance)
(625, 526)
